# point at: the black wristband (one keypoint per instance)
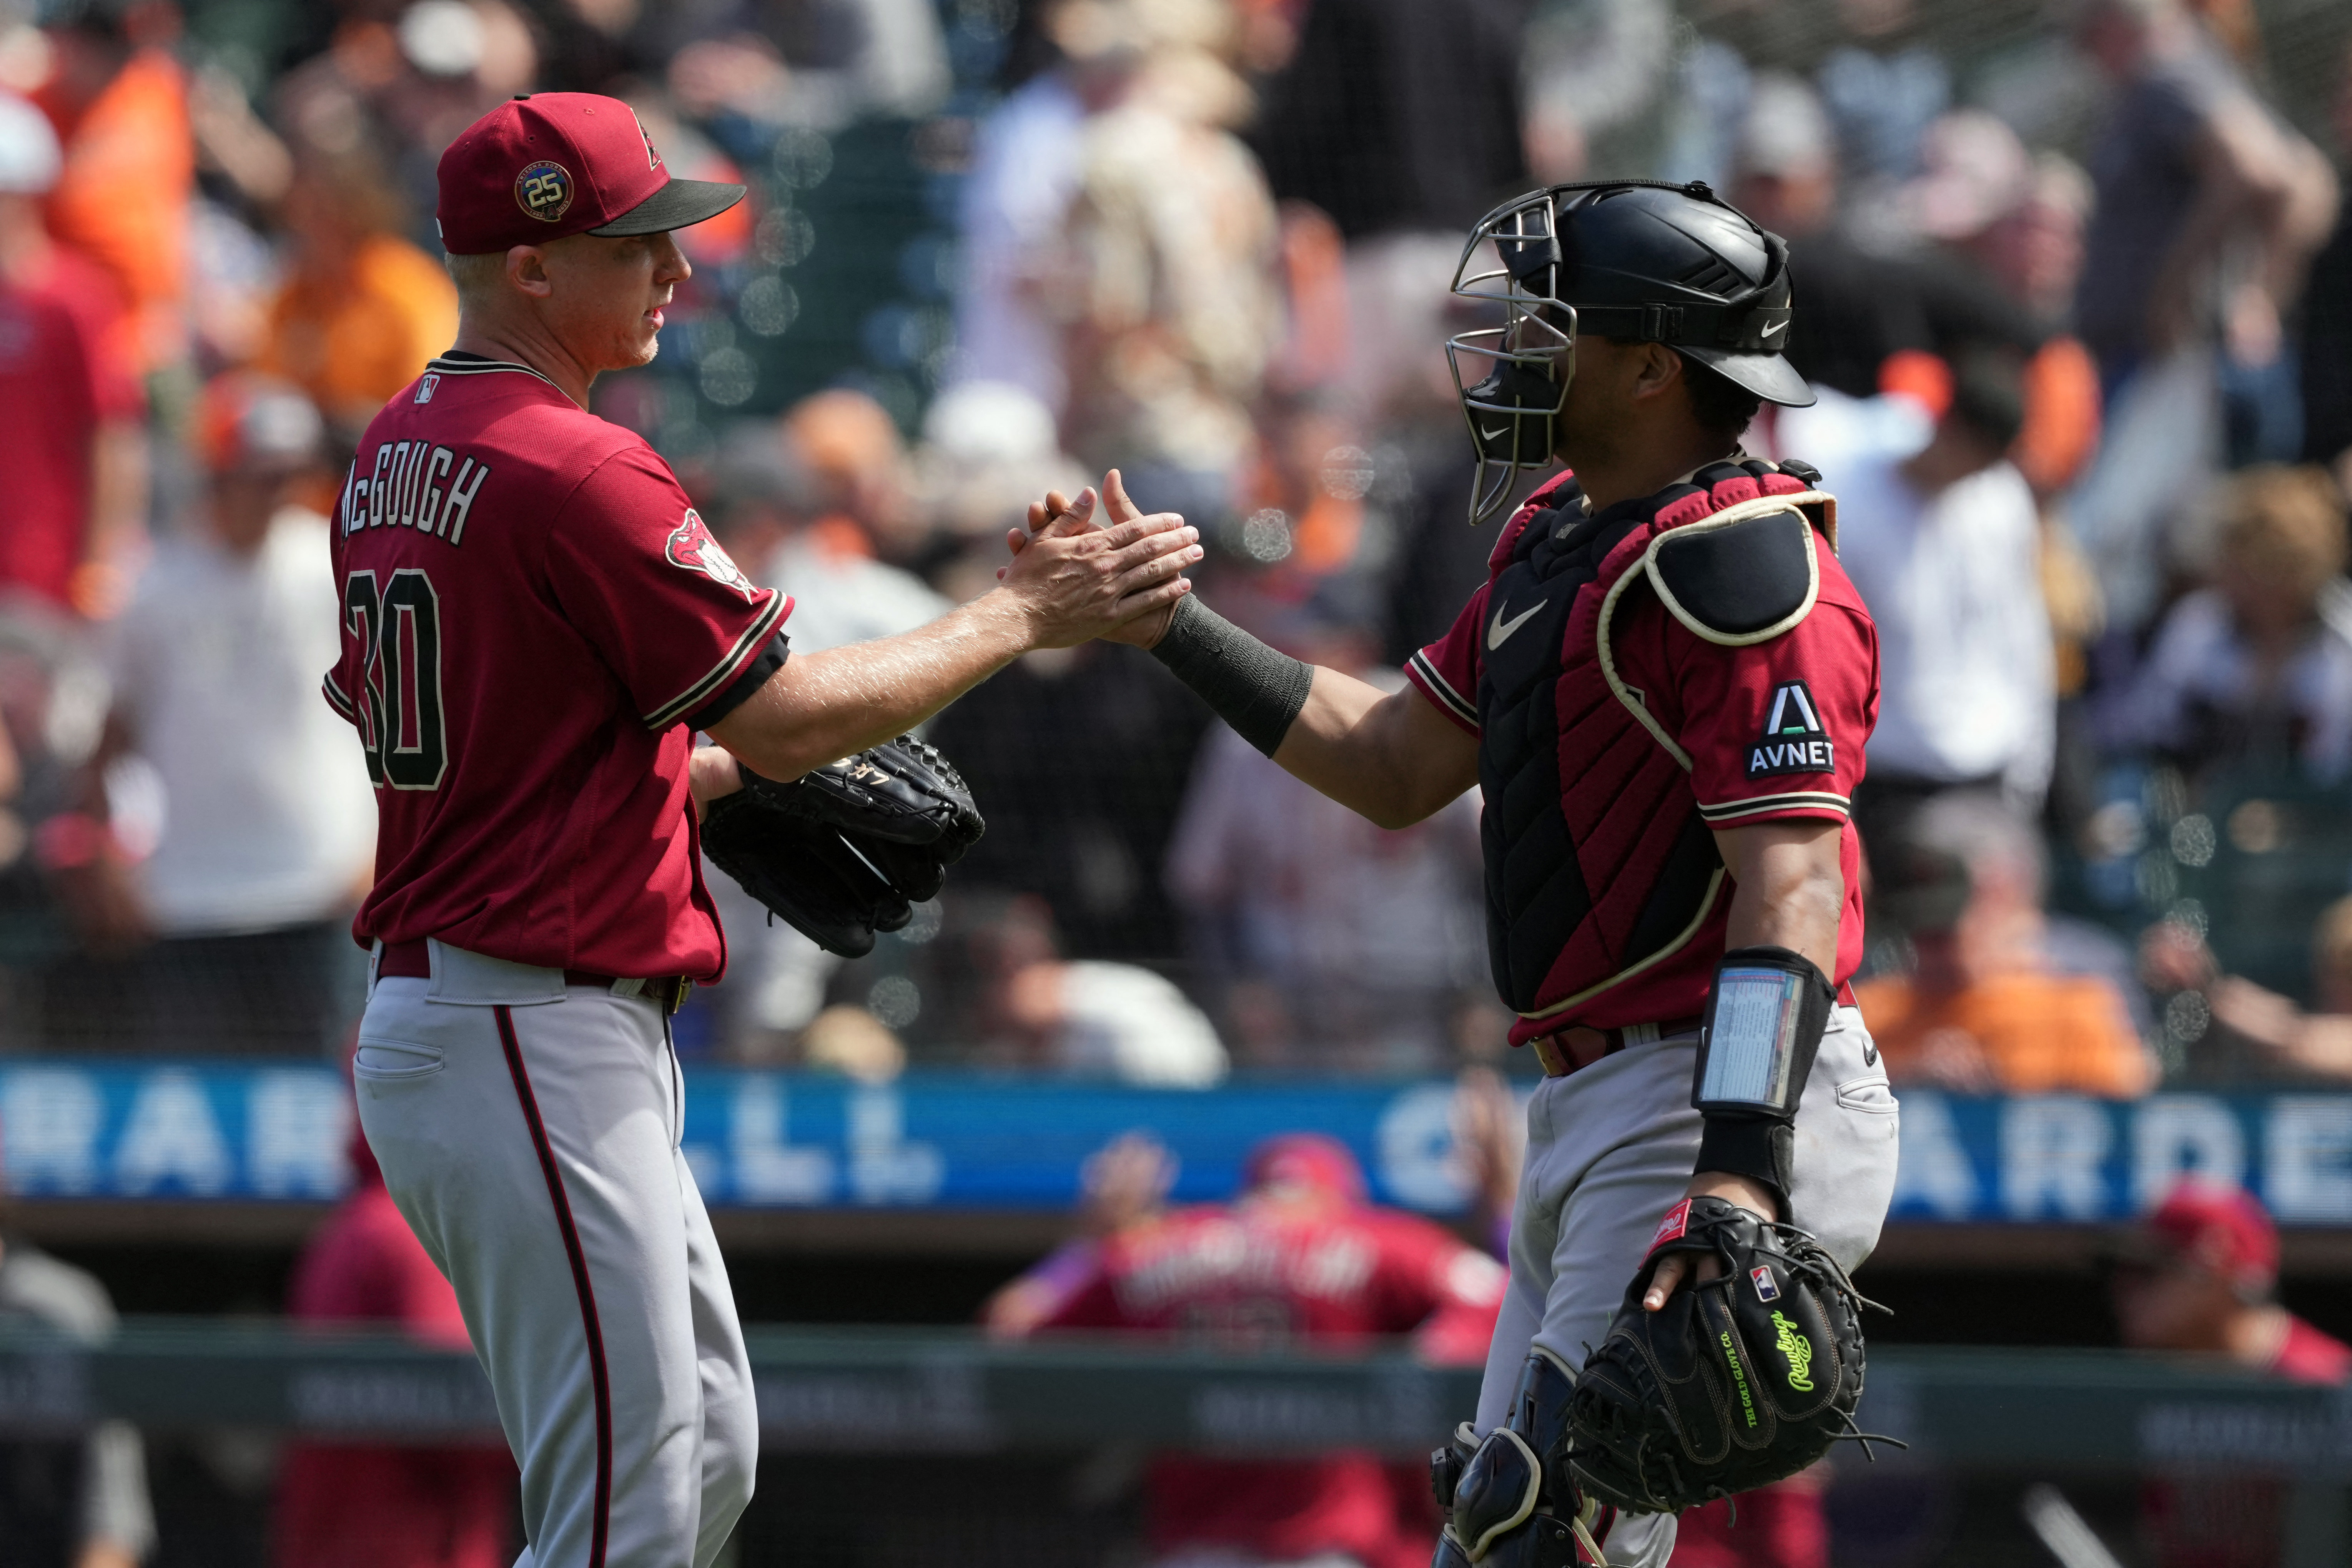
(1756, 1147)
(1250, 686)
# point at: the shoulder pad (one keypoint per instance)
(1517, 537)
(1744, 576)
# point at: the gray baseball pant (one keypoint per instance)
(529, 1132)
(1610, 1149)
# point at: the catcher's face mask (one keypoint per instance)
(1528, 360)
(1731, 317)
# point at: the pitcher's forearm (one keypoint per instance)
(823, 706)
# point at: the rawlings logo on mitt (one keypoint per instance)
(1737, 1382)
(847, 849)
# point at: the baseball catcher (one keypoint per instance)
(1663, 692)
(847, 849)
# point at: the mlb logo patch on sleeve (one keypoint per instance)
(1794, 740)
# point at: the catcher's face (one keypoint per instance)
(1615, 385)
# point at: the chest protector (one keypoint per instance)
(1599, 865)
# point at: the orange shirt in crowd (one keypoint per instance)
(2043, 1034)
(122, 196)
(353, 340)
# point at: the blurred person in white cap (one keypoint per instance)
(267, 823)
(69, 395)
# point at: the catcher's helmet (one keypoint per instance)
(1624, 259)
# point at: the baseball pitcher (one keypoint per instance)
(535, 624)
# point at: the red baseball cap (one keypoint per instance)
(1311, 1161)
(2222, 1229)
(547, 164)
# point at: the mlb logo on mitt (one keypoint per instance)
(1767, 1287)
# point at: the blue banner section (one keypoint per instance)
(198, 1131)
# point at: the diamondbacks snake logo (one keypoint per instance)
(691, 546)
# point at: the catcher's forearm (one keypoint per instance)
(1388, 756)
(823, 706)
(1772, 997)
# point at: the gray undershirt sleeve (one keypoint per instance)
(1250, 686)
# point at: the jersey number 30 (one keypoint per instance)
(399, 637)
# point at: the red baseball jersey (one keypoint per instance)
(535, 623)
(1260, 1274)
(1775, 732)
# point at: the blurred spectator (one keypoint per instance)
(119, 100)
(2256, 1032)
(793, 499)
(1024, 171)
(2208, 208)
(269, 821)
(1884, 89)
(77, 1502)
(2255, 671)
(1945, 543)
(2328, 322)
(1365, 936)
(1163, 285)
(354, 1505)
(363, 309)
(1394, 116)
(69, 395)
(1988, 1006)
(2011, 230)
(1264, 1273)
(1038, 1010)
(2200, 1275)
(1076, 758)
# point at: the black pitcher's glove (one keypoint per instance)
(846, 850)
(1734, 1383)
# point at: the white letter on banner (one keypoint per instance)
(1418, 1164)
(884, 1168)
(768, 1170)
(2051, 1147)
(2174, 1135)
(49, 1122)
(2305, 1175)
(172, 1135)
(297, 1134)
(1932, 1169)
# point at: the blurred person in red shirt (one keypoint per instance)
(1300, 1256)
(358, 1505)
(69, 395)
(2200, 1275)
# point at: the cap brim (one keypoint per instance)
(678, 205)
(1769, 376)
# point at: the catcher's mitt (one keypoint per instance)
(1735, 1383)
(846, 850)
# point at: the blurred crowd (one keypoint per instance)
(2072, 283)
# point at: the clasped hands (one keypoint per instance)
(1148, 611)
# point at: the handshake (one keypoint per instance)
(1118, 579)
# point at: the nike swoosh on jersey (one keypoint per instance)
(1498, 631)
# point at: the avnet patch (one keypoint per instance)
(1794, 740)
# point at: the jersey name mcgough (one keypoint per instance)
(525, 656)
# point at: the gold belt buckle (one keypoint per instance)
(1555, 1061)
